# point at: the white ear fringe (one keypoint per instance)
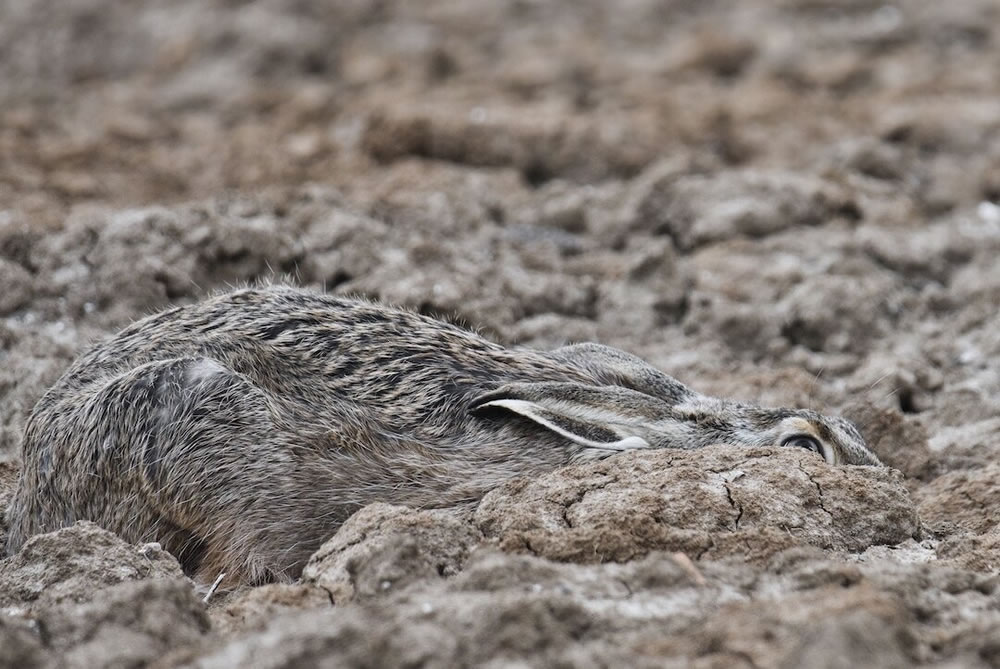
(534, 412)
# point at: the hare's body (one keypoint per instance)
(240, 432)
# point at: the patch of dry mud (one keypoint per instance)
(785, 202)
(711, 504)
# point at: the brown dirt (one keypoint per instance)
(785, 201)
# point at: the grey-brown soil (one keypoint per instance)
(793, 202)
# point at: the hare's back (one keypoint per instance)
(303, 345)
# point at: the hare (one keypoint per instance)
(240, 432)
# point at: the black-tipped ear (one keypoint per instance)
(564, 409)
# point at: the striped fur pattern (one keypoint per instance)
(240, 432)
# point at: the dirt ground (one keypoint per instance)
(791, 202)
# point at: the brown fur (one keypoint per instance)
(242, 431)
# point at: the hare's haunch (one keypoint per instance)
(242, 431)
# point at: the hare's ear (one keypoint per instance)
(565, 410)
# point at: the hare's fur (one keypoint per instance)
(242, 431)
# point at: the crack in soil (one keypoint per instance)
(736, 505)
(581, 494)
(329, 594)
(732, 468)
(819, 489)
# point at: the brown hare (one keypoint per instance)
(240, 432)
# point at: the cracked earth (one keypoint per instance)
(788, 202)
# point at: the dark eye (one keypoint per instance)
(803, 441)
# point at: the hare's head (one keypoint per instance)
(836, 439)
(601, 420)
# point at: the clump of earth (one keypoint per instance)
(788, 203)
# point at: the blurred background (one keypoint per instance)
(794, 202)
(161, 101)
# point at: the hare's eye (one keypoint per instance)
(803, 441)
